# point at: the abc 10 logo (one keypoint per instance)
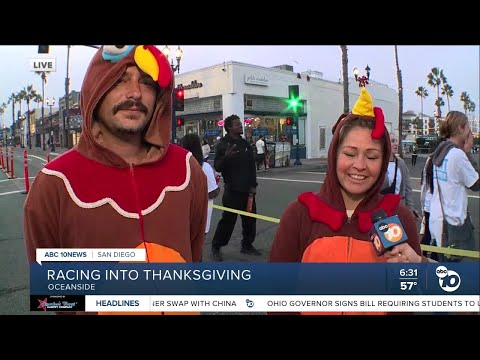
(392, 232)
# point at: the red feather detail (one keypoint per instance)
(388, 203)
(165, 74)
(322, 212)
(377, 132)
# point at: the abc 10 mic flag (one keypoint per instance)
(386, 232)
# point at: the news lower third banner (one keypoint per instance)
(254, 287)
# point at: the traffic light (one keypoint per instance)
(180, 121)
(43, 49)
(178, 100)
(288, 121)
(294, 101)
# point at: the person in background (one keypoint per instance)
(414, 155)
(235, 160)
(261, 153)
(205, 150)
(426, 193)
(124, 185)
(453, 174)
(397, 180)
(191, 142)
(333, 225)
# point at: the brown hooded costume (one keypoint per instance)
(90, 197)
(316, 228)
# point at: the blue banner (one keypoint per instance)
(94, 278)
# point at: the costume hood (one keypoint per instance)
(330, 191)
(106, 67)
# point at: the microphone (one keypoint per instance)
(386, 231)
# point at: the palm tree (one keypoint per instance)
(22, 94)
(434, 80)
(423, 93)
(448, 92)
(400, 102)
(439, 103)
(2, 111)
(465, 98)
(38, 99)
(43, 75)
(30, 95)
(346, 104)
(471, 106)
(13, 99)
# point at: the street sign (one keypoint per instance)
(211, 132)
(260, 131)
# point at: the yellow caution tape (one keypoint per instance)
(260, 217)
(451, 251)
(435, 249)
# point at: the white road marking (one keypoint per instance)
(11, 192)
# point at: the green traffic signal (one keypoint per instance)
(294, 103)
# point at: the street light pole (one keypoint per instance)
(362, 80)
(66, 118)
(297, 157)
(178, 55)
(51, 104)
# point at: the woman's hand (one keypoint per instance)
(402, 253)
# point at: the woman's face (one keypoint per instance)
(394, 143)
(359, 162)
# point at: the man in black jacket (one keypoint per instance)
(235, 160)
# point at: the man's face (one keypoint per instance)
(129, 104)
(236, 127)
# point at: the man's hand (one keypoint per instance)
(231, 151)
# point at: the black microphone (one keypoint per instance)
(386, 232)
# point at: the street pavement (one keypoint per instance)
(277, 188)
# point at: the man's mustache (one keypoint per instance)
(129, 104)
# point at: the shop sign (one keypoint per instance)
(253, 79)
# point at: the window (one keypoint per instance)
(249, 103)
(322, 139)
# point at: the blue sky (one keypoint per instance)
(459, 63)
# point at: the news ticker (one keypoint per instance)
(219, 279)
(256, 303)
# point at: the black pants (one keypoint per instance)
(235, 200)
(261, 159)
(427, 237)
(414, 159)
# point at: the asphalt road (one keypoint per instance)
(277, 188)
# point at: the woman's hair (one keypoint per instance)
(452, 124)
(191, 142)
(363, 123)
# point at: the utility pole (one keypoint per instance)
(66, 119)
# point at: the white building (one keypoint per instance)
(259, 96)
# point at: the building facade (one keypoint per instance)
(258, 95)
